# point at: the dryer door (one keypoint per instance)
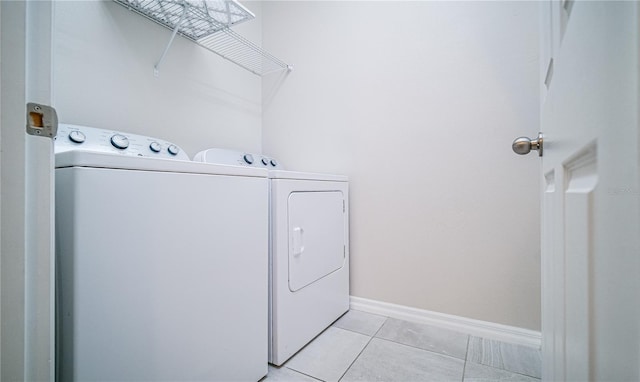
(316, 230)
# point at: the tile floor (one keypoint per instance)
(367, 347)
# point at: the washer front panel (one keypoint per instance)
(162, 275)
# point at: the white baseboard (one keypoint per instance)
(484, 329)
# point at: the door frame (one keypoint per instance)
(27, 261)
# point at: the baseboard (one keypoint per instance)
(484, 329)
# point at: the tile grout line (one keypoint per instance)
(517, 373)
(298, 372)
(466, 357)
(419, 348)
(361, 351)
(429, 350)
(308, 375)
(305, 374)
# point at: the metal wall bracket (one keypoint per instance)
(42, 120)
(156, 68)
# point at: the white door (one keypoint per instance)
(26, 192)
(591, 191)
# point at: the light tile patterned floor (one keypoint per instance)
(367, 347)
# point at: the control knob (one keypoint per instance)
(274, 163)
(77, 136)
(265, 161)
(248, 158)
(155, 147)
(119, 141)
(173, 149)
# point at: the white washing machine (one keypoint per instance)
(162, 263)
(308, 252)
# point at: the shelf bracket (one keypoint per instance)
(156, 67)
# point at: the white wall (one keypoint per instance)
(103, 77)
(418, 102)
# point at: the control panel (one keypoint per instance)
(74, 137)
(237, 158)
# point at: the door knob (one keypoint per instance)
(524, 145)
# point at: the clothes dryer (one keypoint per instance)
(162, 263)
(308, 251)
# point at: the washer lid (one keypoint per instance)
(282, 174)
(79, 158)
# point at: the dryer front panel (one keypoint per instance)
(316, 229)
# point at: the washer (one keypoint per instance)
(162, 263)
(308, 252)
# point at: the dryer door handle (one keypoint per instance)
(298, 241)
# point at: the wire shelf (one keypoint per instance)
(233, 47)
(207, 23)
